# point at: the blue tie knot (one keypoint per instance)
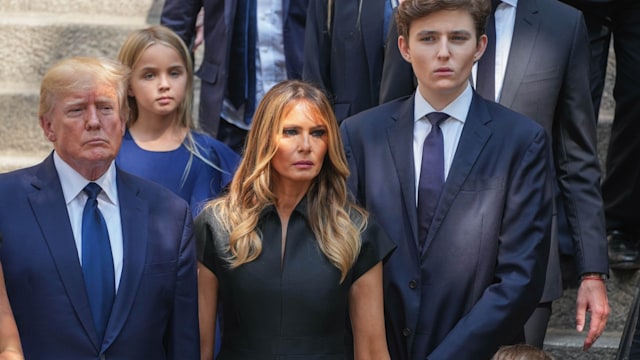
(92, 190)
(436, 118)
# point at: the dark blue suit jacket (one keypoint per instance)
(547, 80)
(346, 60)
(154, 315)
(227, 37)
(483, 268)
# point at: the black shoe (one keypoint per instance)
(624, 251)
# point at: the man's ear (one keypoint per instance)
(482, 46)
(47, 128)
(403, 46)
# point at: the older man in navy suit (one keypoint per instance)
(99, 264)
(463, 186)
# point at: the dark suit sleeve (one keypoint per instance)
(183, 338)
(578, 172)
(397, 74)
(523, 247)
(180, 16)
(317, 47)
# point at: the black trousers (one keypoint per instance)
(620, 20)
(536, 327)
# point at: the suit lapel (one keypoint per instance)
(525, 32)
(400, 137)
(474, 137)
(134, 216)
(50, 210)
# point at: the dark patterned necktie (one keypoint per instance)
(97, 261)
(431, 175)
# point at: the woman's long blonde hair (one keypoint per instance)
(335, 221)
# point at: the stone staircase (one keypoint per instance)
(37, 33)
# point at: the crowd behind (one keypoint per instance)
(379, 179)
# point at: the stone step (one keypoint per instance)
(29, 50)
(567, 344)
(604, 129)
(20, 132)
(83, 7)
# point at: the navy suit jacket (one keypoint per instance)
(346, 60)
(229, 49)
(155, 313)
(547, 80)
(483, 268)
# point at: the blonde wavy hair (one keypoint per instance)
(335, 221)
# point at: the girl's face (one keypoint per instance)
(158, 81)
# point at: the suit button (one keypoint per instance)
(406, 332)
(413, 284)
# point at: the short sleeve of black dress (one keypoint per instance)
(376, 246)
(208, 232)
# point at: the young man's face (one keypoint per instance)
(442, 48)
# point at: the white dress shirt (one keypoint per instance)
(271, 66)
(72, 188)
(451, 128)
(505, 20)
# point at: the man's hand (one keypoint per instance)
(592, 297)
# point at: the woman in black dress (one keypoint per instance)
(285, 253)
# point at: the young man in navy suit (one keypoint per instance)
(540, 69)
(463, 187)
(98, 263)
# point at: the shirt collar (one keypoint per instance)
(457, 109)
(513, 3)
(73, 183)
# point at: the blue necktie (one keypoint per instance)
(431, 175)
(97, 261)
(486, 76)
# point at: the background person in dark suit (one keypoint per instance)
(469, 270)
(545, 76)
(181, 16)
(619, 19)
(344, 50)
(98, 263)
(249, 46)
